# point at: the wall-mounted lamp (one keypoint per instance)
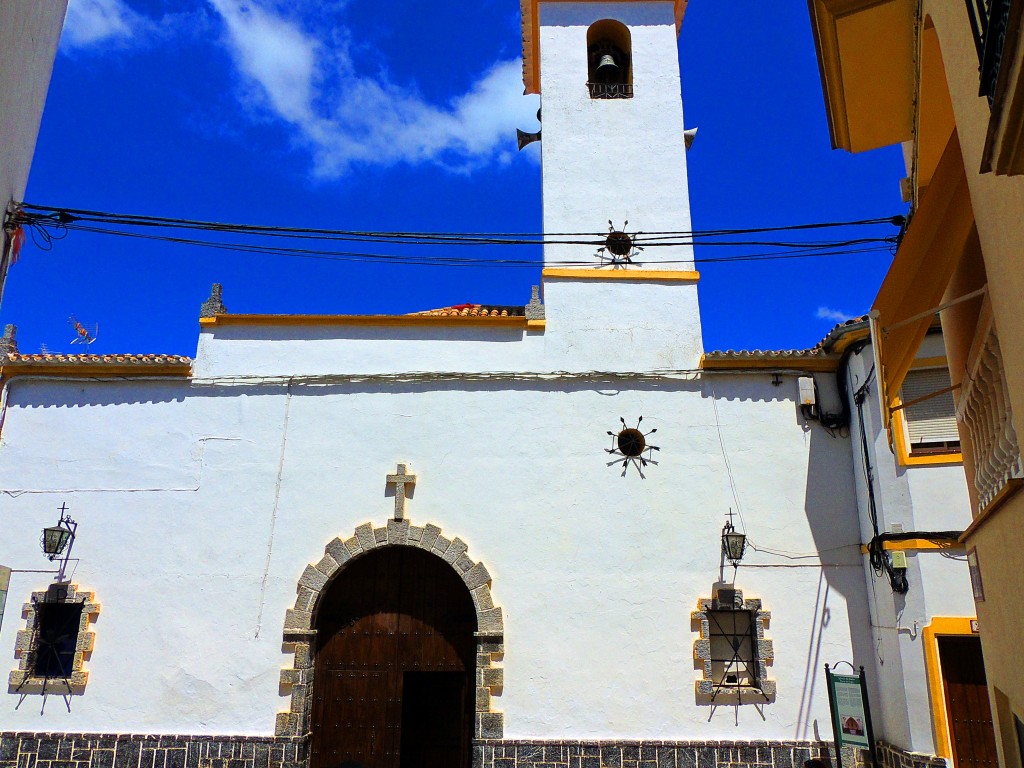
(733, 543)
(56, 538)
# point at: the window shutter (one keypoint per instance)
(933, 420)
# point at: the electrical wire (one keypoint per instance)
(48, 223)
(879, 559)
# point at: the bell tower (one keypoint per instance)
(613, 151)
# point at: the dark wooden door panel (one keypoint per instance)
(433, 705)
(391, 613)
(971, 731)
(354, 716)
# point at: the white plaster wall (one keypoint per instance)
(921, 498)
(29, 32)
(592, 325)
(618, 159)
(597, 573)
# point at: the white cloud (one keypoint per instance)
(92, 22)
(837, 315)
(345, 118)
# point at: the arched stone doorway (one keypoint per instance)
(395, 665)
(314, 620)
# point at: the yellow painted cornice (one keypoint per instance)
(766, 362)
(531, 37)
(420, 321)
(865, 61)
(627, 275)
(96, 371)
(914, 545)
(849, 338)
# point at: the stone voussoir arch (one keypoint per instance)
(300, 633)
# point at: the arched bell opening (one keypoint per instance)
(609, 60)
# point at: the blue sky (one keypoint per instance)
(352, 114)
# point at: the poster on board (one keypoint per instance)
(851, 722)
(851, 712)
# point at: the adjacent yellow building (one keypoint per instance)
(943, 78)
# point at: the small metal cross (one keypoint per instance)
(401, 481)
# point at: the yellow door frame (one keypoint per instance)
(941, 626)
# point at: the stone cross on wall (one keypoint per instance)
(402, 481)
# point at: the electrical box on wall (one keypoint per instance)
(899, 559)
(806, 386)
(807, 396)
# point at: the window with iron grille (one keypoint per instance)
(990, 25)
(57, 626)
(732, 652)
(733, 648)
(56, 642)
(930, 422)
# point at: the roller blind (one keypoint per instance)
(932, 422)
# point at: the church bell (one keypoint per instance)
(607, 70)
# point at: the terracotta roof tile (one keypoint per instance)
(765, 354)
(95, 360)
(474, 310)
(818, 350)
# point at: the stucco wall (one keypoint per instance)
(918, 498)
(596, 573)
(29, 32)
(996, 200)
(618, 159)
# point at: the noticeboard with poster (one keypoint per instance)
(851, 714)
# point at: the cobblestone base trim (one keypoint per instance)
(94, 750)
(891, 756)
(656, 754)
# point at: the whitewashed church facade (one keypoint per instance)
(410, 540)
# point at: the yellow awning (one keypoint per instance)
(923, 267)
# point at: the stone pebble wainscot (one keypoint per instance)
(92, 750)
(56, 750)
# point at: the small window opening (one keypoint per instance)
(931, 421)
(733, 648)
(57, 638)
(609, 65)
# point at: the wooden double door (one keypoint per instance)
(394, 675)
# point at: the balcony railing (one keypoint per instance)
(989, 22)
(984, 409)
(610, 90)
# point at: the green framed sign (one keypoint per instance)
(851, 713)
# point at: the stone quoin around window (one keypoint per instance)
(732, 651)
(55, 643)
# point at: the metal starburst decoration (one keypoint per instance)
(629, 445)
(619, 247)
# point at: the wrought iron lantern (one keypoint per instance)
(57, 540)
(733, 543)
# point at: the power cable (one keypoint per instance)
(47, 224)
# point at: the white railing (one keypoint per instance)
(983, 408)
